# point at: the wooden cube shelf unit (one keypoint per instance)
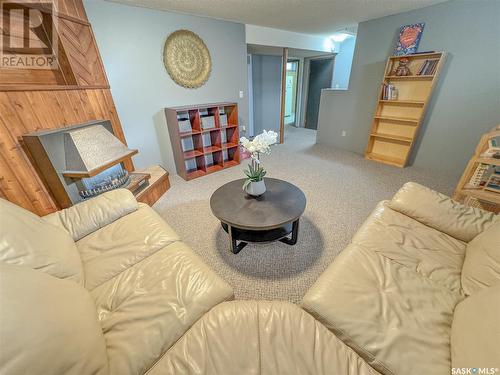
(204, 138)
(396, 121)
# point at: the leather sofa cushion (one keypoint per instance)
(88, 216)
(390, 294)
(426, 251)
(261, 338)
(440, 212)
(149, 306)
(482, 261)
(27, 240)
(397, 320)
(47, 326)
(475, 333)
(111, 250)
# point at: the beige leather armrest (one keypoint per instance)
(440, 212)
(86, 217)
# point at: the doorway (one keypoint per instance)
(320, 77)
(291, 90)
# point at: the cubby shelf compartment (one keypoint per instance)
(396, 121)
(213, 148)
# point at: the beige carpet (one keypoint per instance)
(342, 188)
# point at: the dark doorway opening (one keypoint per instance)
(320, 77)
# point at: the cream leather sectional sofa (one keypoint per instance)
(107, 287)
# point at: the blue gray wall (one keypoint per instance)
(131, 41)
(343, 64)
(266, 81)
(466, 101)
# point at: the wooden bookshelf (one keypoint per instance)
(201, 150)
(479, 194)
(396, 122)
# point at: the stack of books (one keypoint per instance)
(485, 176)
(389, 92)
(428, 68)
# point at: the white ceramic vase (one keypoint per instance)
(256, 188)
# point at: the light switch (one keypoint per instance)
(241, 94)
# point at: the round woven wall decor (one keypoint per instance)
(187, 59)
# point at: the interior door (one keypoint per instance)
(320, 77)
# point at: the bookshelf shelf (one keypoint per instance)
(210, 130)
(401, 107)
(230, 164)
(187, 134)
(409, 78)
(490, 161)
(473, 189)
(391, 136)
(481, 194)
(428, 55)
(192, 154)
(397, 119)
(402, 102)
(229, 145)
(204, 138)
(211, 149)
(384, 159)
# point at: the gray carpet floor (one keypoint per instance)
(342, 188)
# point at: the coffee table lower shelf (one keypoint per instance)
(244, 236)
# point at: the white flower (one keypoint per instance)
(261, 143)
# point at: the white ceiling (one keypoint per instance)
(304, 16)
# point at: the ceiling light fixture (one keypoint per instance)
(339, 37)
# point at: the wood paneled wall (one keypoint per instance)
(32, 100)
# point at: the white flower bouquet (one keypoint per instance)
(261, 144)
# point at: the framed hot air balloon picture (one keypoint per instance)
(408, 39)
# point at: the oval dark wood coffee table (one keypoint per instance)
(274, 216)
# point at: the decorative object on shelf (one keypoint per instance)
(402, 69)
(493, 149)
(409, 39)
(401, 107)
(187, 59)
(254, 184)
(479, 185)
